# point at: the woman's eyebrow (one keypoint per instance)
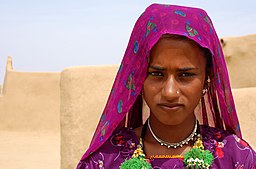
(187, 69)
(179, 69)
(157, 68)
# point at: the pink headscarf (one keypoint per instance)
(124, 105)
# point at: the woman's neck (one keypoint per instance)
(170, 133)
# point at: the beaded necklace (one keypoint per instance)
(197, 157)
(173, 145)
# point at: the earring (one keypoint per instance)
(205, 90)
(207, 86)
(208, 80)
(178, 92)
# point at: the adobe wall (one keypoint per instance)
(246, 106)
(30, 120)
(30, 101)
(240, 58)
(84, 91)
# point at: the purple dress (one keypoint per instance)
(230, 152)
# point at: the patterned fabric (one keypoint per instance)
(124, 104)
(228, 149)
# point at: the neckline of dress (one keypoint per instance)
(142, 135)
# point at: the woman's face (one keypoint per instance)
(175, 80)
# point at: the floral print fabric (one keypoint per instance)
(230, 152)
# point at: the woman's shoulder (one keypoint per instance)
(228, 148)
(212, 133)
(122, 141)
(124, 138)
(119, 146)
(222, 137)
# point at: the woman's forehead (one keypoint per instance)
(169, 51)
(175, 46)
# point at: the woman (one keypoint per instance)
(174, 61)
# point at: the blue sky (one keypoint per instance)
(50, 35)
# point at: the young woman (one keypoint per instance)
(175, 63)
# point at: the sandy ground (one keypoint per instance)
(29, 150)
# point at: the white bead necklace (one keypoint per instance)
(173, 145)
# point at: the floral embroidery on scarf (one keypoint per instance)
(136, 47)
(129, 82)
(150, 26)
(99, 130)
(191, 31)
(103, 130)
(207, 20)
(119, 106)
(179, 12)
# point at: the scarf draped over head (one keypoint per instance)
(124, 105)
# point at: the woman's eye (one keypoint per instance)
(155, 73)
(186, 74)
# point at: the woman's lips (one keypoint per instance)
(171, 107)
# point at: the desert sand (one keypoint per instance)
(29, 150)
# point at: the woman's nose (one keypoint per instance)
(170, 89)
